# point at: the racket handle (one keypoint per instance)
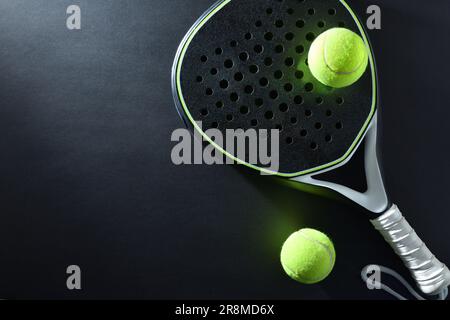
(431, 275)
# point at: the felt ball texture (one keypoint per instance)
(308, 256)
(338, 57)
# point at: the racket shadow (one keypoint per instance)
(302, 206)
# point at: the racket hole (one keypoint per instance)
(299, 49)
(254, 122)
(309, 87)
(213, 71)
(259, 102)
(268, 61)
(234, 97)
(289, 62)
(258, 23)
(253, 68)
(313, 146)
(298, 99)
(238, 76)
(300, 23)
(273, 94)
(218, 51)
(289, 36)
(215, 125)
(248, 36)
(303, 133)
(283, 107)
(219, 104)
(311, 11)
(263, 82)
(278, 74)
(328, 113)
(248, 89)
(339, 100)
(288, 87)
(328, 138)
(308, 113)
(223, 84)
(310, 36)
(258, 48)
(203, 59)
(318, 126)
(279, 48)
(294, 120)
(319, 100)
(229, 117)
(268, 115)
(199, 79)
(209, 92)
(204, 112)
(279, 127)
(339, 125)
(289, 140)
(299, 74)
(269, 11)
(243, 56)
(321, 24)
(279, 23)
(268, 36)
(228, 64)
(332, 11)
(233, 43)
(244, 110)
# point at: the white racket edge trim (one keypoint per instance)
(374, 198)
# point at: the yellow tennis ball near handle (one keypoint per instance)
(308, 256)
(338, 57)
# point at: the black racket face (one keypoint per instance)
(244, 65)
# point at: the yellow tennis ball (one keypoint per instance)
(308, 256)
(338, 57)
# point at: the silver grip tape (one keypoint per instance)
(431, 275)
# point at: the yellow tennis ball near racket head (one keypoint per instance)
(308, 256)
(338, 57)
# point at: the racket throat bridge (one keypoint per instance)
(375, 198)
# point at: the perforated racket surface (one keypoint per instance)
(244, 65)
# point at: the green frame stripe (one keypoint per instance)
(287, 175)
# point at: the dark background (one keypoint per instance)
(86, 176)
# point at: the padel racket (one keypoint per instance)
(243, 65)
